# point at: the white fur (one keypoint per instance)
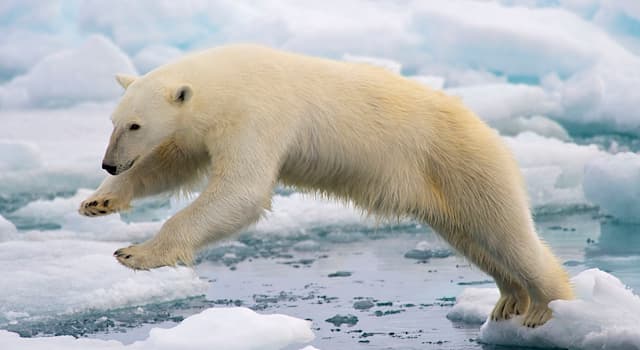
(256, 116)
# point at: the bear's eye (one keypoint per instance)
(134, 127)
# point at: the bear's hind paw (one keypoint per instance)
(507, 307)
(537, 315)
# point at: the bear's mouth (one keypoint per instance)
(127, 166)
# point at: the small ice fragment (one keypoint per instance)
(306, 246)
(340, 274)
(379, 313)
(363, 304)
(425, 251)
(475, 283)
(338, 320)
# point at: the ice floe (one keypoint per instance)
(604, 315)
(214, 328)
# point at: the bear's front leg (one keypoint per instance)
(112, 196)
(233, 200)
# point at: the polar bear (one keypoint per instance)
(246, 117)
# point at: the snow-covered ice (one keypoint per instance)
(81, 275)
(214, 328)
(552, 77)
(605, 315)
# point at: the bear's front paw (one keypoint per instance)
(143, 257)
(98, 205)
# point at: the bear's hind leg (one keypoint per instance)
(551, 282)
(529, 263)
(514, 298)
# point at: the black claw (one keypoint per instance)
(86, 205)
(106, 202)
(103, 211)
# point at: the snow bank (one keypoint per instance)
(153, 56)
(81, 275)
(613, 183)
(214, 328)
(66, 77)
(605, 315)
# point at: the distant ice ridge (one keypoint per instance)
(214, 328)
(605, 315)
(85, 73)
(581, 60)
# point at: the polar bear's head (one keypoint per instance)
(146, 117)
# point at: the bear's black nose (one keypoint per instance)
(111, 169)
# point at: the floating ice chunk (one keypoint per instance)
(538, 41)
(425, 250)
(21, 48)
(538, 124)
(431, 81)
(553, 169)
(81, 275)
(154, 56)
(18, 156)
(600, 98)
(387, 64)
(613, 182)
(498, 102)
(474, 305)
(7, 229)
(67, 77)
(214, 328)
(605, 315)
(230, 328)
(298, 211)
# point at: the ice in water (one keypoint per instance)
(605, 315)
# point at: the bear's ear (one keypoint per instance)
(181, 94)
(125, 80)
